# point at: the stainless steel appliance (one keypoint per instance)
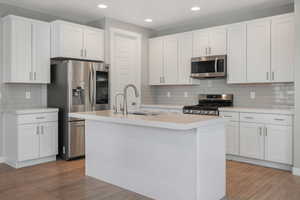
(209, 104)
(209, 67)
(76, 86)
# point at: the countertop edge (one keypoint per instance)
(258, 110)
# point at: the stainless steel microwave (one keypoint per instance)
(209, 67)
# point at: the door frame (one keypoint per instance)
(117, 31)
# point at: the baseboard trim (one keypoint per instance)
(262, 163)
(296, 171)
(16, 164)
(2, 160)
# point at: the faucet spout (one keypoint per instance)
(136, 92)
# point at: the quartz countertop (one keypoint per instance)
(30, 110)
(167, 120)
(258, 110)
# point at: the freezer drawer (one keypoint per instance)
(76, 139)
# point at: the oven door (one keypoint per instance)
(208, 67)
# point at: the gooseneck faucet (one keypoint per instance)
(125, 106)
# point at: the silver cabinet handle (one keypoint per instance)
(273, 76)
(277, 119)
(42, 130)
(227, 116)
(40, 117)
(206, 51)
(216, 65)
(30, 75)
(209, 50)
(260, 131)
(266, 131)
(85, 53)
(81, 52)
(267, 75)
(34, 73)
(249, 118)
(38, 130)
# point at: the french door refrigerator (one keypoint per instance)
(76, 86)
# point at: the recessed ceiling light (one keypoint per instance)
(102, 6)
(148, 20)
(195, 8)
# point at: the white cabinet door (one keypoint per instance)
(71, 41)
(21, 41)
(41, 52)
(278, 144)
(170, 75)
(48, 139)
(94, 44)
(155, 61)
(28, 142)
(232, 138)
(283, 49)
(251, 140)
(185, 54)
(258, 51)
(236, 54)
(218, 42)
(200, 43)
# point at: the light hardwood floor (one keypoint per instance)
(66, 181)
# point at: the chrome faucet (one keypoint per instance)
(115, 107)
(125, 106)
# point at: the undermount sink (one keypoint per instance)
(144, 113)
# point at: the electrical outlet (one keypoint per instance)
(168, 94)
(186, 95)
(28, 95)
(252, 95)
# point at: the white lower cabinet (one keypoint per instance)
(30, 138)
(278, 144)
(251, 140)
(266, 137)
(232, 138)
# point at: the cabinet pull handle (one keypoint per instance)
(30, 75)
(260, 131)
(267, 75)
(37, 130)
(277, 119)
(249, 118)
(40, 118)
(34, 75)
(42, 130)
(273, 76)
(85, 53)
(266, 132)
(81, 52)
(209, 50)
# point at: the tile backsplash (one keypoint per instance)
(266, 95)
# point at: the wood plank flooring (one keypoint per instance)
(66, 181)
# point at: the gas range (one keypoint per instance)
(209, 104)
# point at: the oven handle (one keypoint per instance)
(216, 65)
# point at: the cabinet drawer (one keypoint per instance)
(37, 118)
(266, 118)
(285, 120)
(230, 116)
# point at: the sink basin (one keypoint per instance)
(144, 113)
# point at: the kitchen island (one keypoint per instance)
(169, 156)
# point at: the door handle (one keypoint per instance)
(216, 65)
(260, 131)
(266, 131)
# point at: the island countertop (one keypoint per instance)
(168, 120)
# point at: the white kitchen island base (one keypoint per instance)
(160, 163)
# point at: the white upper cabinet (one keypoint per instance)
(210, 42)
(170, 60)
(76, 41)
(283, 48)
(155, 61)
(236, 54)
(185, 54)
(26, 50)
(258, 51)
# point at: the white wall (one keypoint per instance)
(297, 90)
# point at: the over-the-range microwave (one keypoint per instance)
(209, 67)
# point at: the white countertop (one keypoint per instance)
(258, 110)
(177, 121)
(162, 106)
(30, 110)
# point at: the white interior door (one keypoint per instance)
(125, 64)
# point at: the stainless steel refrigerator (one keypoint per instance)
(76, 86)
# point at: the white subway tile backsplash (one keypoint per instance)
(266, 95)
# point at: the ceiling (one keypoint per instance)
(163, 12)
